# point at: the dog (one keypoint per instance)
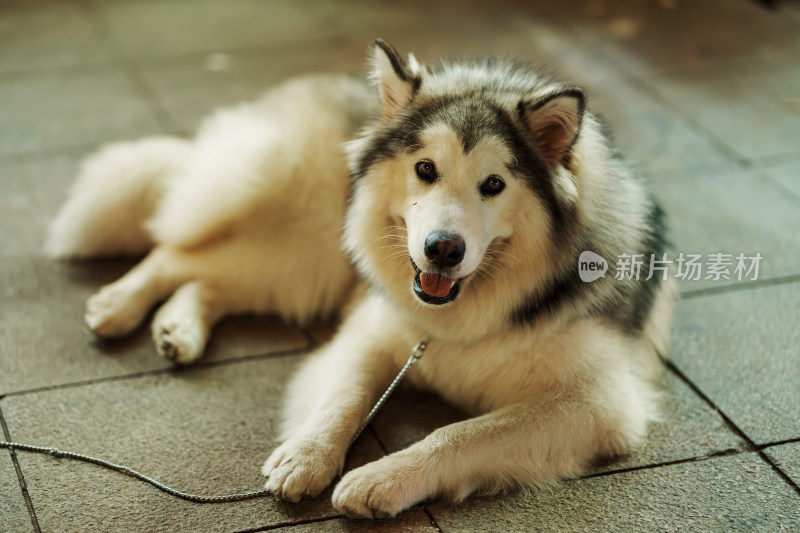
(457, 212)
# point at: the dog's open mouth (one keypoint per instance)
(435, 288)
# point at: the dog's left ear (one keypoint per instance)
(397, 80)
(554, 121)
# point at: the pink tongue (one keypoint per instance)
(435, 284)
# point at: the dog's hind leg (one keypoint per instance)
(182, 325)
(115, 193)
(117, 309)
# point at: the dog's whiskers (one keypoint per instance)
(493, 249)
(484, 272)
(401, 228)
(390, 234)
(395, 255)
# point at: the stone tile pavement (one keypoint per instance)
(705, 97)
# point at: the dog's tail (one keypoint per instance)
(116, 192)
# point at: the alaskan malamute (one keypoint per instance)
(458, 214)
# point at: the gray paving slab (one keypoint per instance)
(787, 457)
(738, 493)
(731, 212)
(148, 29)
(779, 160)
(413, 520)
(740, 349)
(558, 48)
(475, 29)
(44, 342)
(47, 34)
(647, 37)
(205, 430)
(13, 512)
(788, 176)
(157, 27)
(650, 132)
(751, 106)
(193, 89)
(31, 192)
(690, 428)
(68, 107)
(790, 10)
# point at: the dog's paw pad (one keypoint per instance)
(182, 343)
(169, 351)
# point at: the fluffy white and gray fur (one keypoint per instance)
(466, 195)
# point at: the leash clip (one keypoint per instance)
(419, 349)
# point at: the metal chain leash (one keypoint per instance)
(416, 353)
(419, 349)
(55, 452)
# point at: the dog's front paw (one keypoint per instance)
(302, 468)
(380, 489)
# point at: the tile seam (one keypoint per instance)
(286, 525)
(794, 440)
(752, 446)
(20, 476)
(652, 466)
(156, 372)
(737, 287)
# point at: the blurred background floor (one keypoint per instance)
(704, 95)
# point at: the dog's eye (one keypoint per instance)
(492, 186)
(426, 171)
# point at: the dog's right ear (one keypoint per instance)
(555, 121)
(397, 81)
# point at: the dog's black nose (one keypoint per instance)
(444, 249)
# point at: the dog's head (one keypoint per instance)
(463, 181)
